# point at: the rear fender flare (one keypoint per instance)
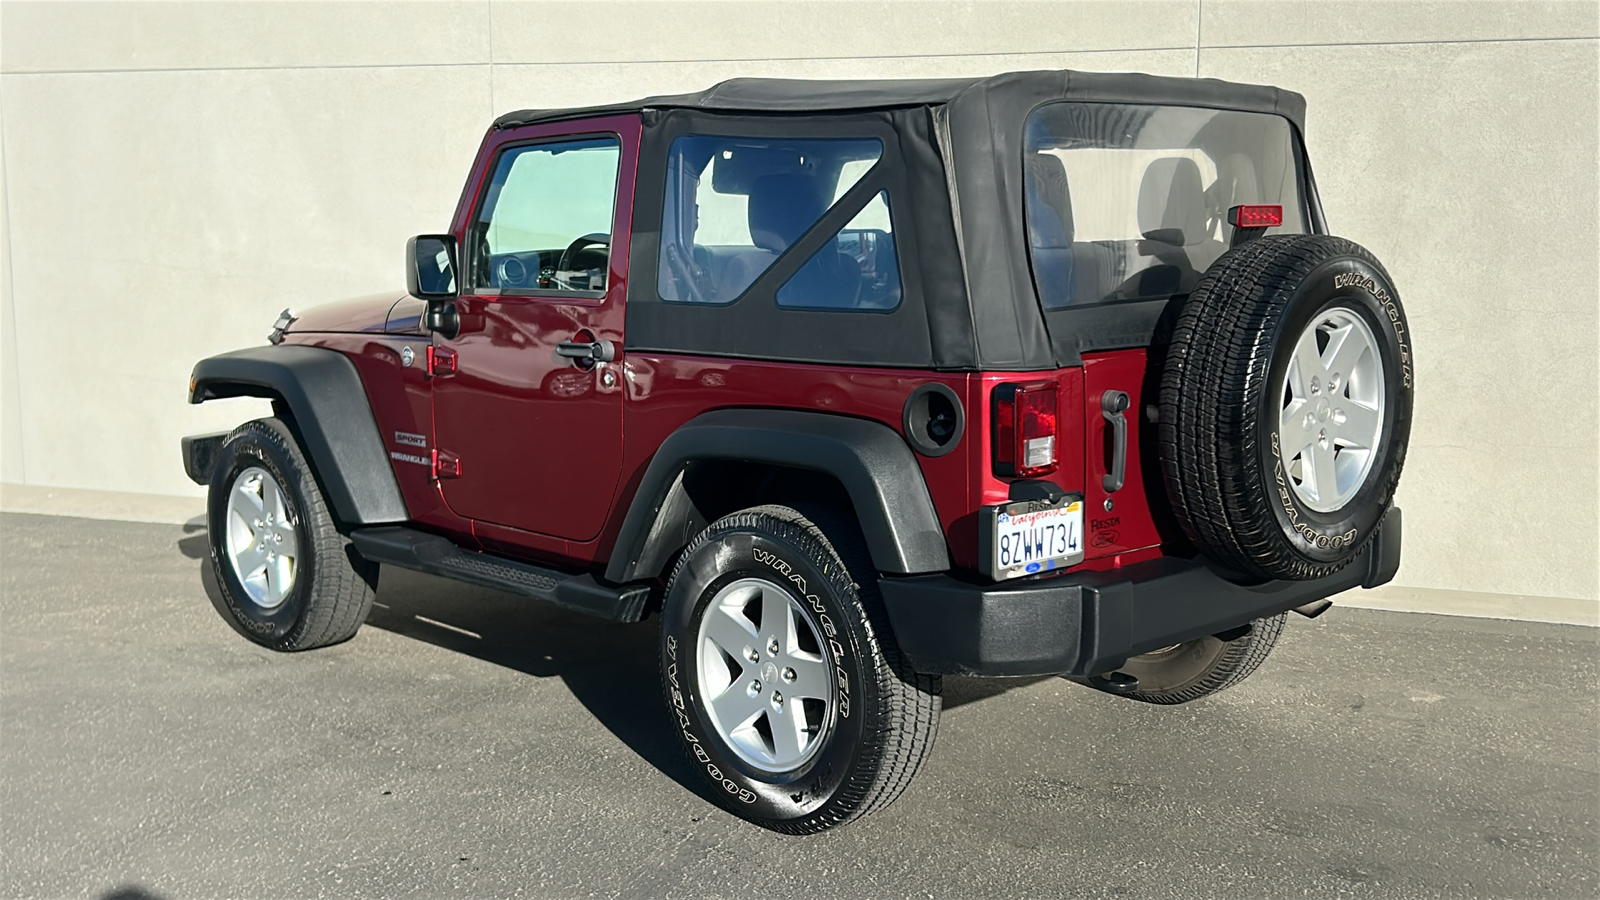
(332, 419)
(871, 461)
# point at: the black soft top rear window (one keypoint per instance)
(1129, 202)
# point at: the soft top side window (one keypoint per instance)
(734, 205)
(857, 270)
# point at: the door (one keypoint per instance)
(530, 438)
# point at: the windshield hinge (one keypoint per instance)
(441, 361)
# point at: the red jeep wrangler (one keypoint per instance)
(851, 384)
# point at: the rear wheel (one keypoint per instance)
(782, 676)
(289, 579)
(1194, 669)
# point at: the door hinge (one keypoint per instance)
(446, 465)
(441, 361)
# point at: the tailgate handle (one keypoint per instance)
(1112, 405)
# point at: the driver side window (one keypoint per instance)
(545, 223)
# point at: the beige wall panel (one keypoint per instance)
(1511, 535)
(12, 467)
(1252, 23)
(1470, 169)
(523, 87)
(169, 216)
(624, 32)
(76, 37)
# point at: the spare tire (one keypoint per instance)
(1286, 406)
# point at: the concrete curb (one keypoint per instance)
(114, 505)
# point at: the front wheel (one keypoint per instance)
(783, 678)
(290, 580)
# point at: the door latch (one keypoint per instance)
(590, 352)
(1112, 405)
(441, 361)
(446, 465)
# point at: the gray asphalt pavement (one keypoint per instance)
(471, 744)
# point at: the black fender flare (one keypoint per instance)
(871, 461)
(332, 419)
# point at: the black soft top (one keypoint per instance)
(957, 157)
(795, 95)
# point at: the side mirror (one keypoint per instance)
(431, 267)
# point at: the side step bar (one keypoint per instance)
(409, 548)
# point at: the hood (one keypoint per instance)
(357, 314)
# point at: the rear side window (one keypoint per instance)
(858, 269)
(734, 206)
(1130, 202)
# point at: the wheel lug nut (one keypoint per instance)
(755, 688)
(278, 538)
(777, 701)
(772, 646)
(751, 654)
(788, 675)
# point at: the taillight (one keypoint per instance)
(1259, 215)
(1025, 430)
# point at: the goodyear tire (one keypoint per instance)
(1197, 668)
(289, 579)
(781, 675)
(1285, 406)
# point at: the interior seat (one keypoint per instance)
(1050, 227)
(781, 207)
(1176, 226)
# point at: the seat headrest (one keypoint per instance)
(781, 208)
(1049, 202)
(1171, 198)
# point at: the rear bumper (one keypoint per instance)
(1090, 623)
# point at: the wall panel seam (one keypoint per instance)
(203, 69)
(1438, 43)
(11, 313)
(590, 62)
(489, 8)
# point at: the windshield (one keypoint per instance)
(1130, 202)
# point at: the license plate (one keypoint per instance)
(1031, 536)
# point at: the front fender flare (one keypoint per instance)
(871, 461)
(332, 419)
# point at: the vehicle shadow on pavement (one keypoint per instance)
(609, 667)
(196, 540)
(130, 892)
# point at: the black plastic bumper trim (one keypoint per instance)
(1089, 623)
(331, 418)
(200, 455)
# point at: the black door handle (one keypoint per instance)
(1112, 405)
(599, 351)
